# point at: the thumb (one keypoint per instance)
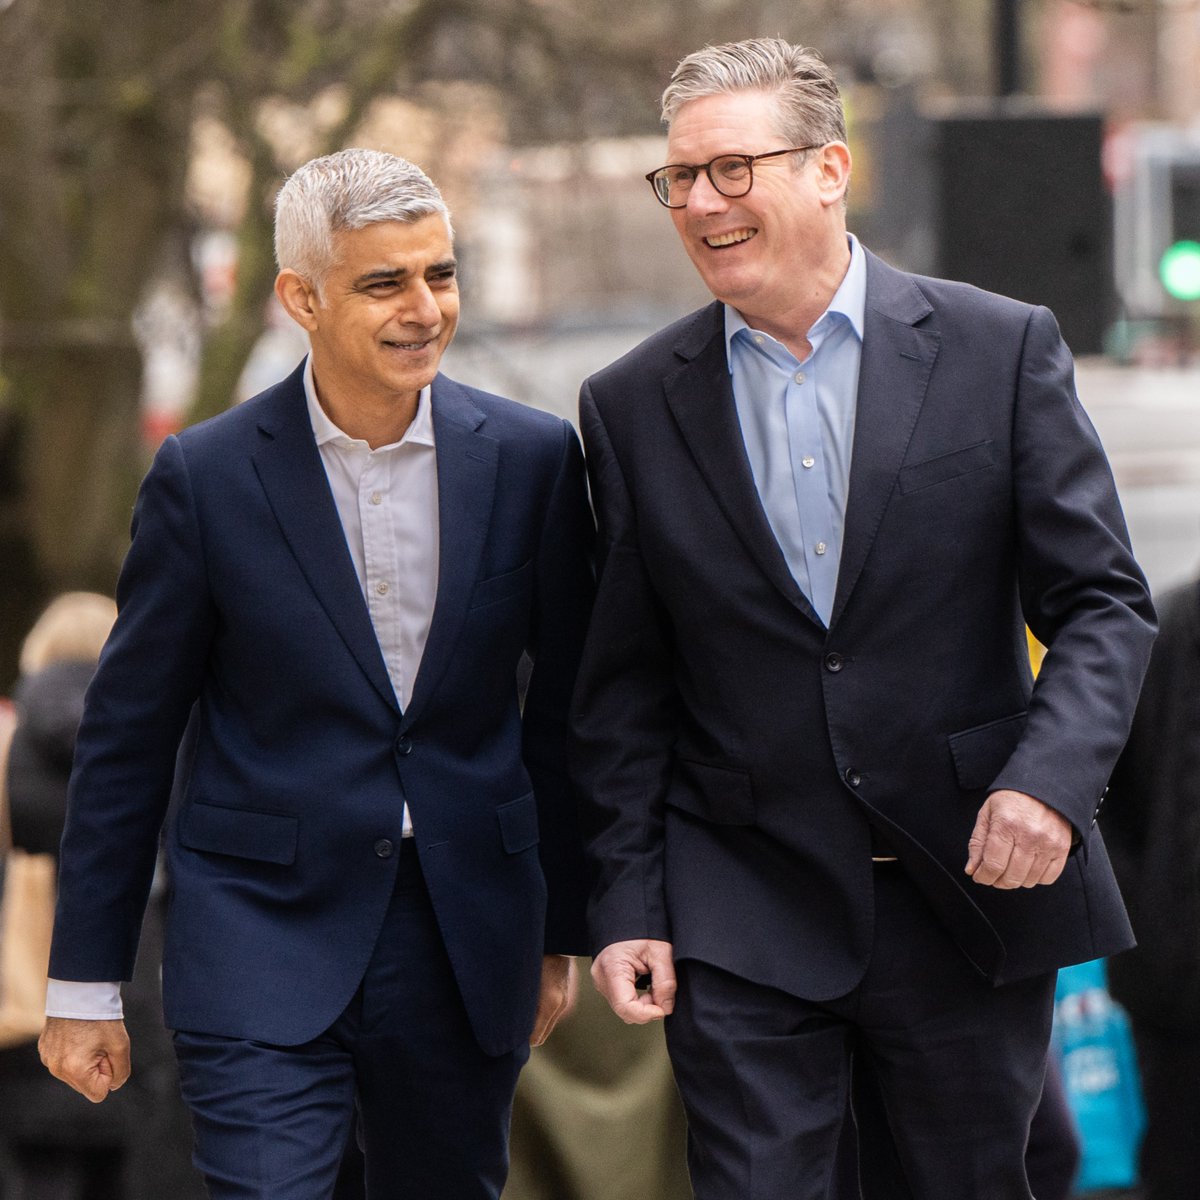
(977, 840)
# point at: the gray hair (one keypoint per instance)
(810, 105)
(347, 190)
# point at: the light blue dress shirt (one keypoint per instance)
(797, 421)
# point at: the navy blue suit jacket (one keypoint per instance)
(239, 600)
(735, 753)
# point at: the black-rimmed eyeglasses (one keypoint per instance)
(731, 174)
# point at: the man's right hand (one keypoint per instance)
(92, 1056)
(615, 971)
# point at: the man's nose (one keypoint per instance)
(422, 307)
(704, 198)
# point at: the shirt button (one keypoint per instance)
(384, 848)
(808, 461)
(758, 340)
(821, 547)
(376, 497)
(382, 588)
(799, 376)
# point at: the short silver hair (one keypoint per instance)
(347, 190)
(810, 105)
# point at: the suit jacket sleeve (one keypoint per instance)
(624, 713)
(564, 585)
(1082, 593)
(149, 676)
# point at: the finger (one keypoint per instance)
(551, 1004)
(977, 840)
(1022, 864)
(641, 1010)
(552, 1020)
(663, 984)
(95, 1088)
(120, 1067)
(993, 860)
(974, 853)
(1052, 870)
(615, 985)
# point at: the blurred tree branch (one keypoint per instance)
(99, 106)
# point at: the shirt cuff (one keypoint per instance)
(83, 1001)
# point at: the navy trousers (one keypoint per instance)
(765, 1076)
(272, 1122)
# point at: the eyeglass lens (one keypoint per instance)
(730, 174)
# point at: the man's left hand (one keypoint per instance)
(556, 997)
(1017, 842)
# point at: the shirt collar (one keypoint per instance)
(324, 430)
(850, 300)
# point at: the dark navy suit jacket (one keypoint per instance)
(735, 753)
(239, 600)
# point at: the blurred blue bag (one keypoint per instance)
(1099, 1068)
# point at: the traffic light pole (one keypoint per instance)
(1007, 44)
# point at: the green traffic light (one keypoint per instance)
(1179, 270)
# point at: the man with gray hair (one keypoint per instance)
(374, 864)
(829, 807)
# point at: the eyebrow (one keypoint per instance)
(383, 274)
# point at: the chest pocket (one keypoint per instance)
(947, 466)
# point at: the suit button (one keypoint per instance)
(834, 662)
(404, 745)
(853, 778)
(384, 848)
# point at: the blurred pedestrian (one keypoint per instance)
(375, 868)
(827, 802)
(1152, 827)
(51, 1147)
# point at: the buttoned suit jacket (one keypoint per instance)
(735, 753)
(239, 600)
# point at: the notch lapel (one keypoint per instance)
(700, 396)
(293, 477)
(897, 360)
(467, 462)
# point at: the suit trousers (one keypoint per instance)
(765, 1075)
(272, 1122)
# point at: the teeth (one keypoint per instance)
(730, 239)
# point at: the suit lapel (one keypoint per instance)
(292, 476)
(467, 462)
(897, 360)
(700, 396)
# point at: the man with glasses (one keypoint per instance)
(827, 806)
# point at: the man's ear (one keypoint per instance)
(834, 165)
(298, 297)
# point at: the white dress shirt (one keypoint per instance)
(387, 501)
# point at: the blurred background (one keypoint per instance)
(1046, 148)
(1049, 149)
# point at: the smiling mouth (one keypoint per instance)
(410, 346)
(718, 241)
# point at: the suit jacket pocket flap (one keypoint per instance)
(518, 824)
(981, 752)
(947, 466)
(501, 587)
(722, 795)
(241, 832)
